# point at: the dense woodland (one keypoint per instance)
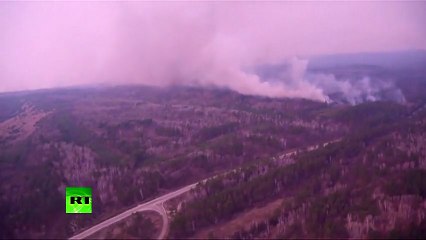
(324, 188)
(132, 144)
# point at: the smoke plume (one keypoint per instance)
(46, 44)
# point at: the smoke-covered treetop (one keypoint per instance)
(47, 44)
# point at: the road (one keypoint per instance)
(157, 204)
(153, 205)
(290, 153)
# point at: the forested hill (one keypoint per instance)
(371, 184)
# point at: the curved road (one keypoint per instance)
(153, 205)
(157, 204)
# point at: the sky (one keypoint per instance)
(58, 44)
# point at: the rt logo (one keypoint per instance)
(78, 200)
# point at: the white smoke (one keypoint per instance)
(326, 87)
(46, 45)
(356, 91)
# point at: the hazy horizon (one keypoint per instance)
(213, 120)
(59, 44)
